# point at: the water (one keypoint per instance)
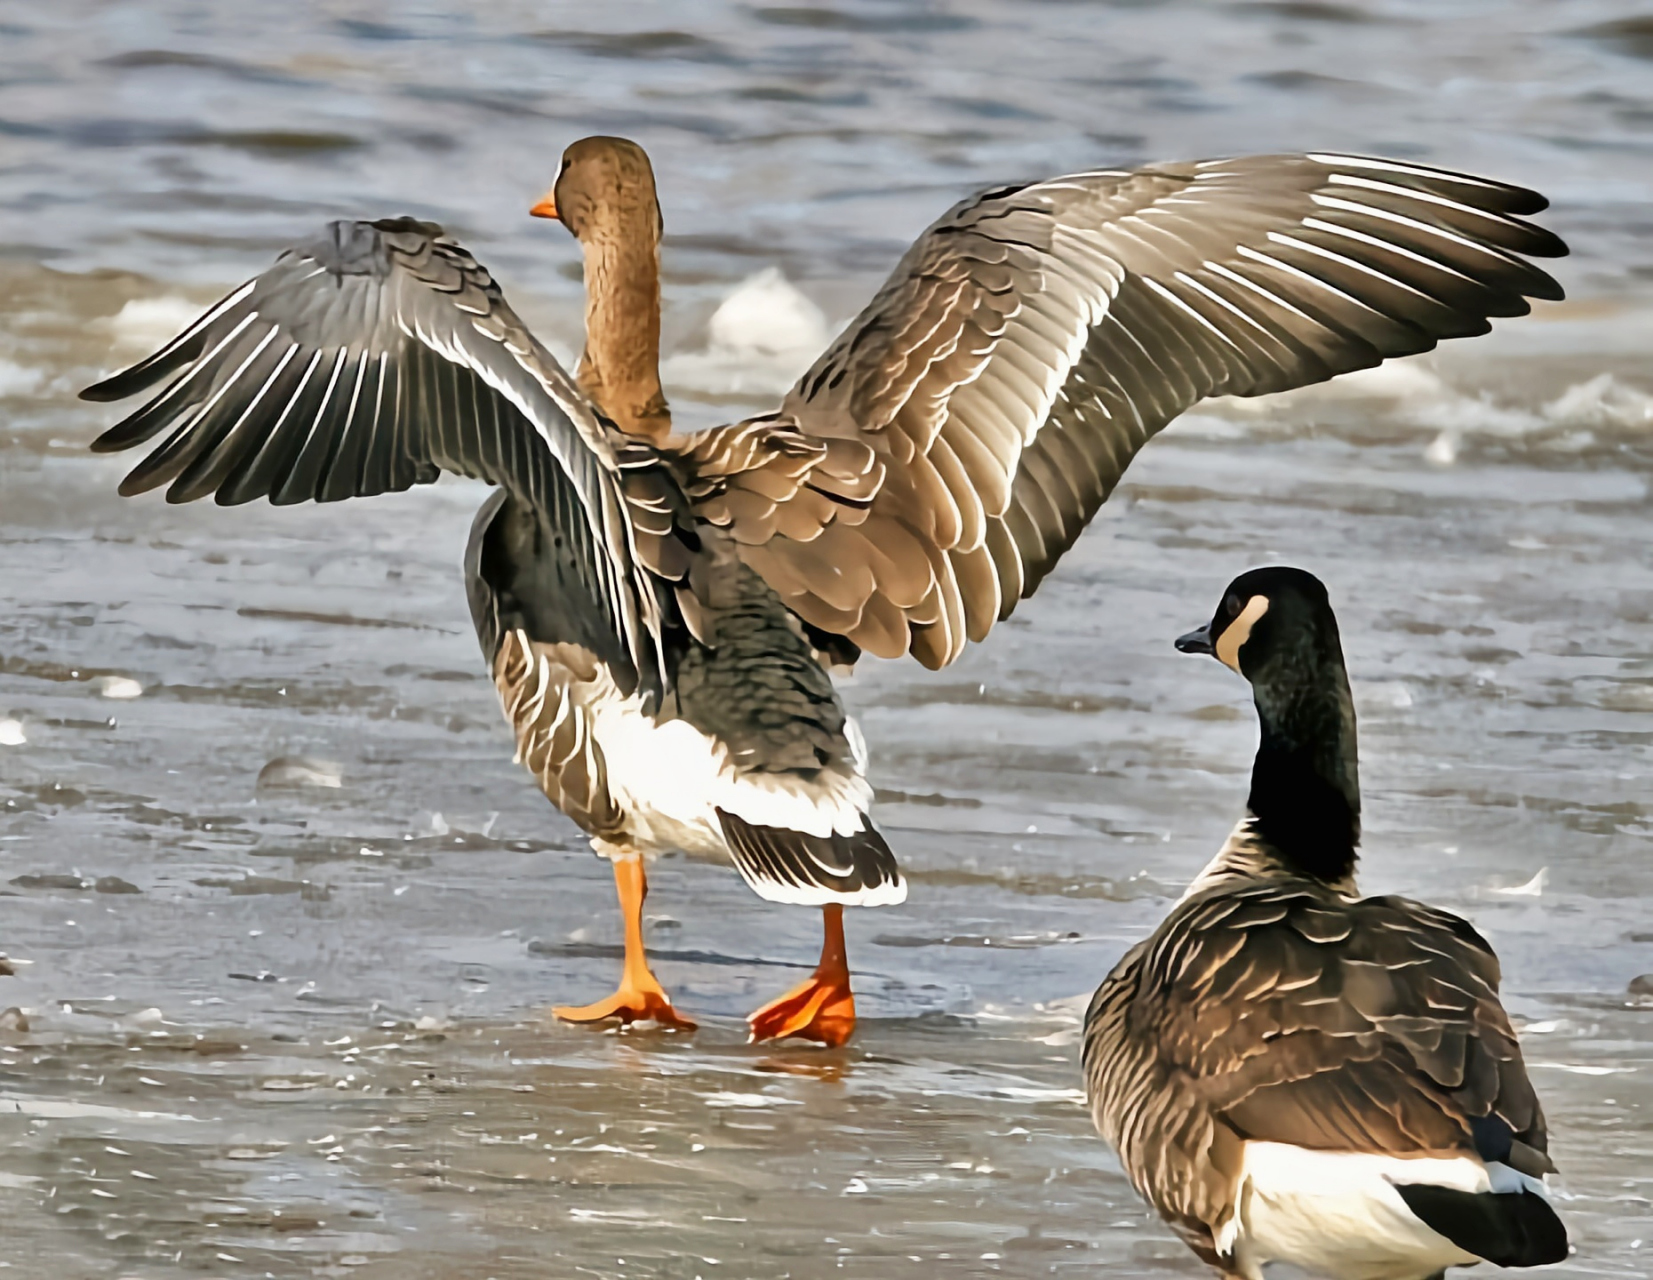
(298, 1029)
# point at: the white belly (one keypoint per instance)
(1338, 1214)
(671, 779)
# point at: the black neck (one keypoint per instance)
(1305, 788)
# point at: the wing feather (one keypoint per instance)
(1093, 309)
(367, 360)
(1035, 338)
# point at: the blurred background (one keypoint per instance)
(280, 918)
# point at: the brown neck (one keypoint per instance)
(620, 369)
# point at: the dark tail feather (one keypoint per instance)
(793, 866)
(1511, 1229)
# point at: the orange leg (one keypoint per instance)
(822, 1008)
(640, 996)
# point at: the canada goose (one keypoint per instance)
(1290, 1072)
(654, 607)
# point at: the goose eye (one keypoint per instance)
(1232, 605)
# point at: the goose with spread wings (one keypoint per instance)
(659, 610)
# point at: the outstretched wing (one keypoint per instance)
(1036, 337)
(371, 358)
(1273, 1015)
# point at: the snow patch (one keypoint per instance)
(1584, 1069)
(1387, 695)
(767, 313)
(299, 771)
(19, 380)
(760, 339)
(753, 1101)
(1411, 391)
(1533, 888)
(150, 323)
(1603, 401)
(1443, 450)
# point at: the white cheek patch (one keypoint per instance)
(1239, 631)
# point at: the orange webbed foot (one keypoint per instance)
(640, 998)
(821, 1009)
(629, 1004)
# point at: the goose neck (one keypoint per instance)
(620, 368)
(1305, 786)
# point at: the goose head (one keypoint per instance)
(604, 189)
(1275, 626)
(604, 194)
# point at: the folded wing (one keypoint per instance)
(973, 418)
(1277, 1016)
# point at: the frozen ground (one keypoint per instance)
(282, 919)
